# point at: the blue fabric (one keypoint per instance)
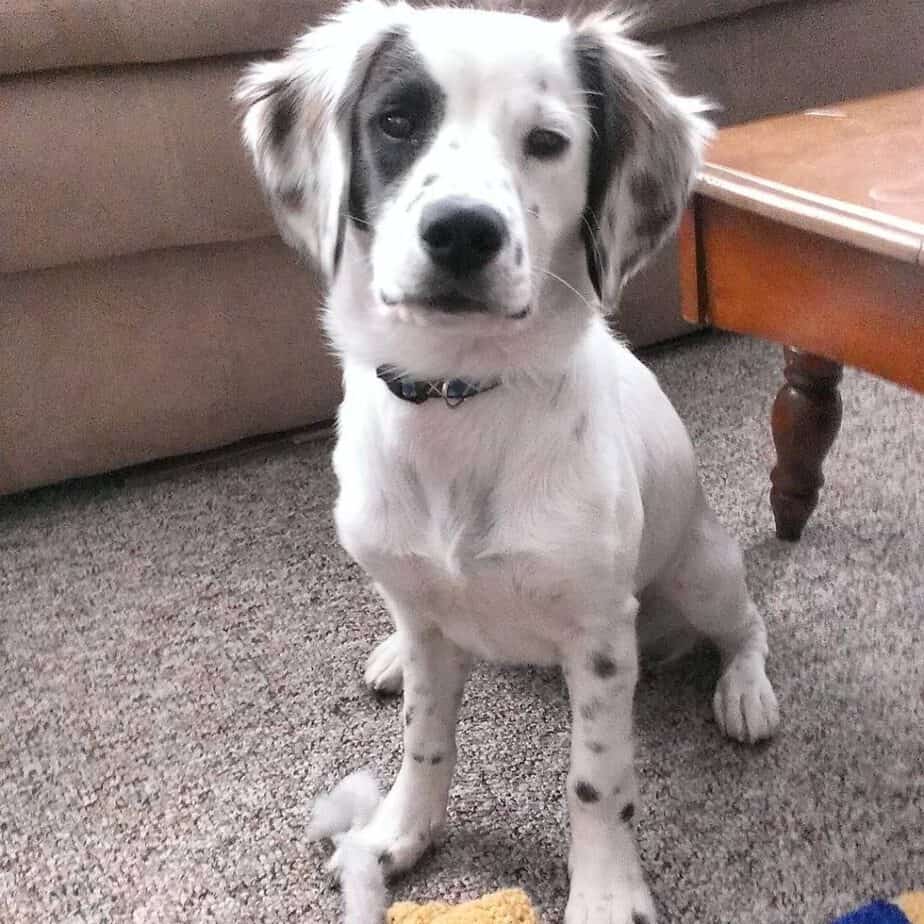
(876, 913)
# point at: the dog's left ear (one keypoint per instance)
(646, 146)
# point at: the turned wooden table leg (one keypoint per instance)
(806, 418)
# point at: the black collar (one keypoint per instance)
(452, 391)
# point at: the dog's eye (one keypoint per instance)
(545, 144)
(396, 125)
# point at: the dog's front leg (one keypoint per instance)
(601, 669)
(414, 811)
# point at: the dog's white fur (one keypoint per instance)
(526, 524)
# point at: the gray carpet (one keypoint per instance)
(181, 672)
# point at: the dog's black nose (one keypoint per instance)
(462, 235)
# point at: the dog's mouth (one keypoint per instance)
(451, 304)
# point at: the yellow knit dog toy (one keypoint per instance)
(510, 906)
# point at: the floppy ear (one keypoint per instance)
(297, 125)
(646, 147)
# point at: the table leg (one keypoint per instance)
(806, 418)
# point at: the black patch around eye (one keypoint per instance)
(396, 85)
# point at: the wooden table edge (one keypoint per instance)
(698, 302)
(862, 227)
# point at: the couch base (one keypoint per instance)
(108, 364)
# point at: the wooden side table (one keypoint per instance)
(808, 230)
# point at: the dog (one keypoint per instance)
(476, 188)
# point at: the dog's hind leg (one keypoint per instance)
(706, 583)
(385, 665)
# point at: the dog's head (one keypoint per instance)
(469, 177)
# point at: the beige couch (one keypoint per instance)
(146, 306)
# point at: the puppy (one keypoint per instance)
(476, 187)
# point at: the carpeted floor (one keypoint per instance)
(180, 674)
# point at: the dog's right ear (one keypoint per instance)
(297, 125)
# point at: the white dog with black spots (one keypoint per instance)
(476, 188)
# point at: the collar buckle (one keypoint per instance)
(451, 401)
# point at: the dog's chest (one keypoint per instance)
(494, 557)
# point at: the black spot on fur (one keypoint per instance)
(418, 758)
(646, 191)
(596, 747)
(436, 759)
(654, 211)
(385, 858)
(627, 812)
(652, 225)
(518, 255)
(639, 918)
(586, 793)
(534, 210)
(602, 664)
(283, 114)
(612, 138)
(428, 180)
(408, 715)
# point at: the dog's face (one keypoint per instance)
(481, 178)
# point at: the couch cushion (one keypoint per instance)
(102, 162)
(77, 33)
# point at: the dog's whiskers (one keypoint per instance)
(567, 285)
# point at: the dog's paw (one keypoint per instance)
(397, 846)
(608, 903)
(745, 705)
(384, 671)
(607, 885)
